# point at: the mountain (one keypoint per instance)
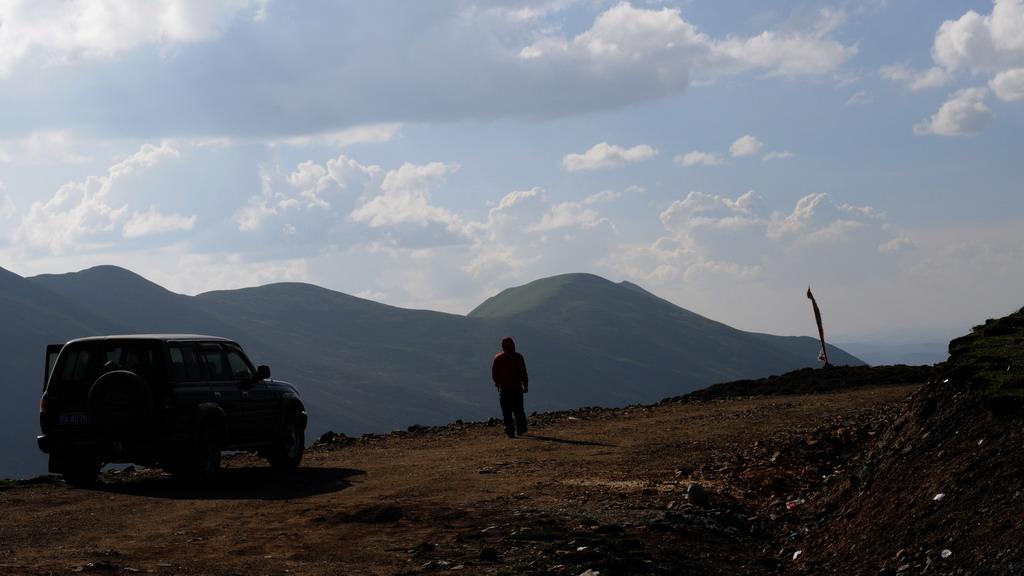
(639, 344)
(909, 353)
(363, 366)
(32, 318)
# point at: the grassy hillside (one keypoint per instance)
(992, 356)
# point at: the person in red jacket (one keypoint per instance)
(508, 370)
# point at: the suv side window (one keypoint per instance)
(184, 364)
(226, 363)
(240, 367)
(216, 365)
(138, 358)
(80, 366)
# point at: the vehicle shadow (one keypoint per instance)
(247, 483)
(561, 440)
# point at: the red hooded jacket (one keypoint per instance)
(508, 370)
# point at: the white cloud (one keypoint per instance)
(605, 155)
(86, 215)
(311, 200)
(862, 97)
(404, 198)
(45, 147)
(697, 157)
(930, 78)
(57, 32)
(818, 219)
(1008, 85)
(988, 43)
(964, 114)
(376, 133)
(229, 70)
(345, 204)
(6, 205)
(898, 244)
(706, 210)
(991, 44)
(153, 222)
(810, 51)
(566, 215)
(745, 240)
(745, 146)
(528, 232)
(624, 36)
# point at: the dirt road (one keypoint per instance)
(592, 489)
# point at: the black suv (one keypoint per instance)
(174, 401)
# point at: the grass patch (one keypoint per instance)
(34, 481)
(991, 358)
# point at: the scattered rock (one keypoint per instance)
(698, 496)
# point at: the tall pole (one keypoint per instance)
(823, 355)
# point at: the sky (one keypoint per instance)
(724, 156)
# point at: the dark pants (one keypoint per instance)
(512, 411)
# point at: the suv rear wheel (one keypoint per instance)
(81, 472)
(201, 463)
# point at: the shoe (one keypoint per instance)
(510, 434)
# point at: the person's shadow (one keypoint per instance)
(561, 440)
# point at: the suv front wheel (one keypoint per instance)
(287, 452)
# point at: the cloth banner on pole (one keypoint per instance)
(823, 355)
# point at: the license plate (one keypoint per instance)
(73, 418)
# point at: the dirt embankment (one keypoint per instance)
(746, 485)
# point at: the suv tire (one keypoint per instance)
(287, 453)
(81, 472)
(119, 400)
(201, 464)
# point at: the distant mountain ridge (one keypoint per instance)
(363, 366)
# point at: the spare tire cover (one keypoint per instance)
(119, 400)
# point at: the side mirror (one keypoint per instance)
(262, 372)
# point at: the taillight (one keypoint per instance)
(167, 409)
(43, 413)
